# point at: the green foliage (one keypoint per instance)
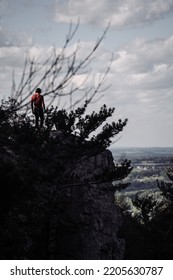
(166, 188)
(151, 239)
(149, 232)
(34, 163)
(82, 126)
(146, 205)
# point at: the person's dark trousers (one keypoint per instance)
(39, 115)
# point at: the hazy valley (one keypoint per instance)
(149, 165)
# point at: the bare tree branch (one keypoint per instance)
(57, 72)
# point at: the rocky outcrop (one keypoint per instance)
(87, 221)
(77, 219)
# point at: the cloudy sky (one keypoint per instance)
(140, 38)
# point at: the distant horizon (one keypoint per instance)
(143, 147)
(133, 148)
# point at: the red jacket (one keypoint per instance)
(38, 101)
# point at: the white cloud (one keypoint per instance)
(142, 90)
(12, 58)
(7, 39)
(4, 40)
(3, 5)
(121, 13)
(141, 66)
(144, 64)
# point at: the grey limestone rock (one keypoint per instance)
(87, 223)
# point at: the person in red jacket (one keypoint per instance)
(38, 107)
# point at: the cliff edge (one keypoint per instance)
(87, 223)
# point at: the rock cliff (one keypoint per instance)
(73, 220)
(87, 222)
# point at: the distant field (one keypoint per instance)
(145, 153)
(149, 164)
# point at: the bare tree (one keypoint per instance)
(56, 75)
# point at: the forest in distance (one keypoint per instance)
(146, 204)
(148, 164)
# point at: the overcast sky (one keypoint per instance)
(140, 38)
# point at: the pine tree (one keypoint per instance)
(166, 188)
